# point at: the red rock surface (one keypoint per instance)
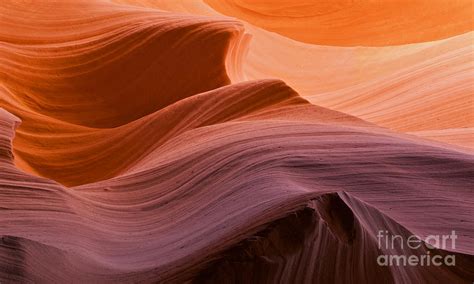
(153, 141)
